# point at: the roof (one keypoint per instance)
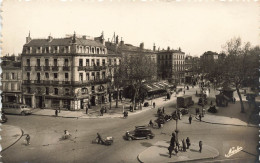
(63, 42)
(169, 51)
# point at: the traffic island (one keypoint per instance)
(159, 153)
(9, 136)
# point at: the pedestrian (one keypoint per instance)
(159, 124)
(59, 109)
(28, 138)
(188, 142)
(86, 109)
(190, 119)
(173, 139)
(88, 105)
(99, 138)
(163, 110)
(153, 104)
(56, 113)
(176, 150)
(200, 145)
(101, 112)
(197, 111)
(177, 144)
(184, 91)
(200, 117)
(209, 90)
(183, 145)
(170, 148)
(151, 123)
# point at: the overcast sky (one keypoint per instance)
(196, 27)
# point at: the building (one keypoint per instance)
(67, 72)
(191, 69)
(11, 79)
(171, 65)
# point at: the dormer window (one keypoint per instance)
(93, 50)
(97, 50)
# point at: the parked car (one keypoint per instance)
(140, 132)
(212, 109)
(184, 111)
(146, 104)
(11, 108)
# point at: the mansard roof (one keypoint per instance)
(63, 42)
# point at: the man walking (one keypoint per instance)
(153, 104)
(188, 142)
(86, 109)
(56, 113)
(173, 139)
(101, 112)
(200, 145)
(163, 110)
(170, 148)
(183, 145)
(190, 119)
(200, 117)
(28, 138)
(59, 109)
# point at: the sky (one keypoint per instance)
(194, 26)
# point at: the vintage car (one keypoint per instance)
(21, 109)
(140, 132)
(184, 111)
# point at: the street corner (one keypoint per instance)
(9, 135)
(159, 153)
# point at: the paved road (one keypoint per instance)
(46, 131)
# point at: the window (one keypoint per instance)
(103, 75)
(93, 50)
(55, 75)
(93, 88)
(98, 64)
(12, 86)
(98, 75)
(7, 75)
(114, 61)
(55, 62)
(28, 76)
(80, 62)
(66, 62)
(46, 62)
(38, 62)
(46, 75)
(47, 90)
(87, 76)
(93, 62)
(38, 77)
(80, 76)
(87, 62)
(66, 76)
(93, 75)
(84, 90)
(67, 91)
(97, 50)
(56, 91)
(109, 62)
(28, 90)
(13, 77)
(28, 62)
(103, 62)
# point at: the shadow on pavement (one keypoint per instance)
(146, 144)
(164, 155)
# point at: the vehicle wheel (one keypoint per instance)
(23, 114)
(129, 138)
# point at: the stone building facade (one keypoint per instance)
(11, 79)
(171, 65)
(66, 73)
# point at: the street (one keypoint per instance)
(46, 132)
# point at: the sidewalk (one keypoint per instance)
(9, 136)
(159, 153)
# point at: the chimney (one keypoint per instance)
(28, 39)
(50, 38)
(122, 42)
(117, 39)
(168, 48)
(154, 47)
(142, 46)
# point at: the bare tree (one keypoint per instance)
(240, 65)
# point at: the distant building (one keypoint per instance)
(11, 79)
(171, 65)
(191, 69)
(65, 72)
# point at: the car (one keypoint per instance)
(12, 108)
(213, 109)
(140, 132)
(184, 111)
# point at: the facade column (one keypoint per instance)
(33, 101)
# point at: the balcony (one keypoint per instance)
(47, 82)
(55, 68)
(46, 68)
(38, 68)
(66, 68)
(81, 68)
(91, 68)
(27, 68)
(55, 81)
(38, 81)
(66, 82)
(27, 82)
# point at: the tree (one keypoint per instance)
(135, 70)
(240, 65)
